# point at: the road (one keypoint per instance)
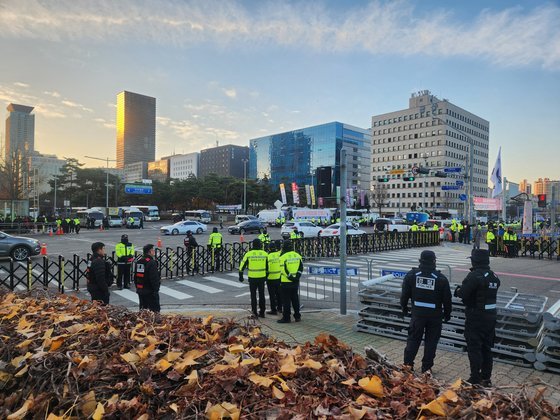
(539, 277)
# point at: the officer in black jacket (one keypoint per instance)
(431, 302)
(478, 292)
(191, 245)
(98, 274)
(147, 279)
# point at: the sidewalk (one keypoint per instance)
(448, 365)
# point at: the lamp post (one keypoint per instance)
(107, 180)
(245, 185)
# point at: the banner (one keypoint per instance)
(496, 176)
(312, 192)
(283, 194)
(527, 217)
(295, 193)
(362, 198)
(307, 195)
(349, 197)
(487, 204)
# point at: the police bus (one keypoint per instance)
(202, 216)
(151, 213)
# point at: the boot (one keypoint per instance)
(283, 321)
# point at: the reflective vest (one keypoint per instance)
(490, 237)
(215, 240)
(77, 221)
(460, 227)
(264, 238)
(289, 265)
(294, 235)
(423, 228)
(435, 227)
(124, 252)
(510, 237)
(414, 228)
(274, 266)
(453, 227)
(256, 261)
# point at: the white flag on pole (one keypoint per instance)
(496, 176)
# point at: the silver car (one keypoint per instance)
(18, 247)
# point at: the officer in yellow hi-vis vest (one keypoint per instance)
(256, 260)
(291, 267)
(273, 279)
(215, 247)
(124, 251)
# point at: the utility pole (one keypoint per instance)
(343, 188)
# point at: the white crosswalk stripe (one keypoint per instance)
(199, 286)
(174, 293)
(127, 294)
(227, 282)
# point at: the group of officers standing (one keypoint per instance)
(430, 295)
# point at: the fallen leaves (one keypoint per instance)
(372, 386)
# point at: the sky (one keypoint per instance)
(228, 71)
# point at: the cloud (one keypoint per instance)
(71, 104)
(513, 36)
(21, 84)
(230, 93)
(54, 94)
(107, 124)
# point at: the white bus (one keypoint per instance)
(96, 215)
(202, 216)
(151, 213)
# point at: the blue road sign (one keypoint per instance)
(138, 189)
(450, 187)
(333, 271)
(455, 169)
(463, 197)
(399, 274)
(459, 182)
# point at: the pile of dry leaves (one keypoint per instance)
(61, 357)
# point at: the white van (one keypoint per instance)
(269, 216)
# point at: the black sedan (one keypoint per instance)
(249, 226)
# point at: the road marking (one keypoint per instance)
(227, 282)
(127, 294)
(524, 276)
(20, 287)
(173, 293)
(243, 294)
(199, 286)
(311, 294)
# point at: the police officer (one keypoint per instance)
(124, 251)
(147, 279)
(491, 241)
(430, 294)
(77, 224)
(294, 234)
(215, 246)
(98, 274)
(264, 237)
(478, 292)
(256, 261)
(273, 279)
(191, 245)
(291, 267)
(510, 242)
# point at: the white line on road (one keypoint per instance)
(173, 293)
(243, 294)
(203, 287)
(227, 282)
(127, 294)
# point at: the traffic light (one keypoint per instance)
(441, 174)
(408, 178)
(424, 171)
(542, 200)
(382, 179)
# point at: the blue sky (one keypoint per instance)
(229, 71)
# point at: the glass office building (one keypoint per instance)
(303, 155)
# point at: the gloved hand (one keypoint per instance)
(446, 318)
(456, 292)
(241, 279)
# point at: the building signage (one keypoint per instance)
(487, 204)
(138, 189)
(295, 193)
(450, 170)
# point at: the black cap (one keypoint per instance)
(96, 246)
(480, 257)
(257, 244)
(428, 256)
(215, 229)
(147, 248)
(189, 233)
(124, 237)
(287, 246)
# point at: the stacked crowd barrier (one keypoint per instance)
(520, 328)
(547, 356)
(63, 273)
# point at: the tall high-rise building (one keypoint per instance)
(136, 128)
(223, 161)
(525, 187)
(431, 134)
(20, 131)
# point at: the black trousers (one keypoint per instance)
(429, 328)
(492, 248)
(273, 287)
(480, 328)
(215, 259)
(123, 275)
(192, 264)
(149, 301)
(100, 296)
(254, 286)
(290, 297)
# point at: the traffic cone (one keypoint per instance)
(44, 249)
(50, 231)
(241, 238)
(159, 243)
(101, 227)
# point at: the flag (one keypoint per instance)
(496, 176)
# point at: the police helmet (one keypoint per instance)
(257, 244)
(215, 230)
(124, 238)
(272, 247)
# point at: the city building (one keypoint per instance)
(136, 128)
(135, 172)
(183, 166)
(158, 170)
(228, 160)
(525, 187)
(20, 131)
(435, 135)
(42, 169)
(544, 186)
(310, 157)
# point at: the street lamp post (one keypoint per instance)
(107, 179)
(245, 185)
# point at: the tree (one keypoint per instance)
(379, 197)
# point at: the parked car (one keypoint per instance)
(249, 226)
(18, 247)
(305, 229)
(115, 221)
(334, 230)
(181, 228)
(391, 225)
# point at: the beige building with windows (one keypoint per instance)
(435, 134)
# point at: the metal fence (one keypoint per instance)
(68, 273)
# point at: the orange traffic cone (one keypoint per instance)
(44, 249)
(159, 243)
(50, 231)
(241, 238)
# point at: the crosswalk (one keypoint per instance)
(221, 288)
